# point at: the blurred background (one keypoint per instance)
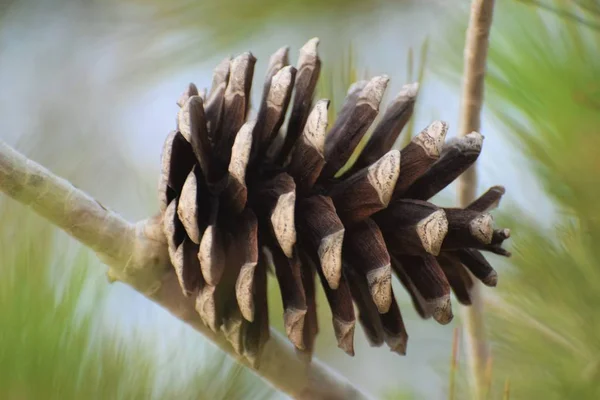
(88, 88)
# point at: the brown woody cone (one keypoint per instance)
(231, 185)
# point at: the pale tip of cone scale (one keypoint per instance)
(279, 87)
(380, 286)
(294, 326)
(384, 174)
(344, 332)
(491, 280)
(432, 230)
(373, 92)
(397, 344)
(310, 47)
(330, 255)
(283, 223)
(482, 228)
(432, 138)
(410, 90)
(441, 309)
(472, 142)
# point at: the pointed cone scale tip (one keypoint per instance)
(432, 230)
(410, 90)
(491, 280)
(243, 291)
(398, 344)
(432, 138)
(473, 142)
(374, 90)
(344, 332)
(281, 81)
(357, 87)
(310, 47)
(380, 286)
(442, 309)
(294, 326)
(499, 189)
(280, 54)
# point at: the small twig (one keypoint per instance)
(475, 55)
(137, 255)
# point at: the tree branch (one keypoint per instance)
(137, 255)
(475, 55)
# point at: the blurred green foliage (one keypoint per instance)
(542, 86)
(219, 24)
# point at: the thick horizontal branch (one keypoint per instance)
(137, 255)
(118, 243)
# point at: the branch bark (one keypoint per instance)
(475, 55)
(137, 255)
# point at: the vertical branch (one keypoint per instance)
(475, 54)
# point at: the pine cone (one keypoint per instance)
(239, 198)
